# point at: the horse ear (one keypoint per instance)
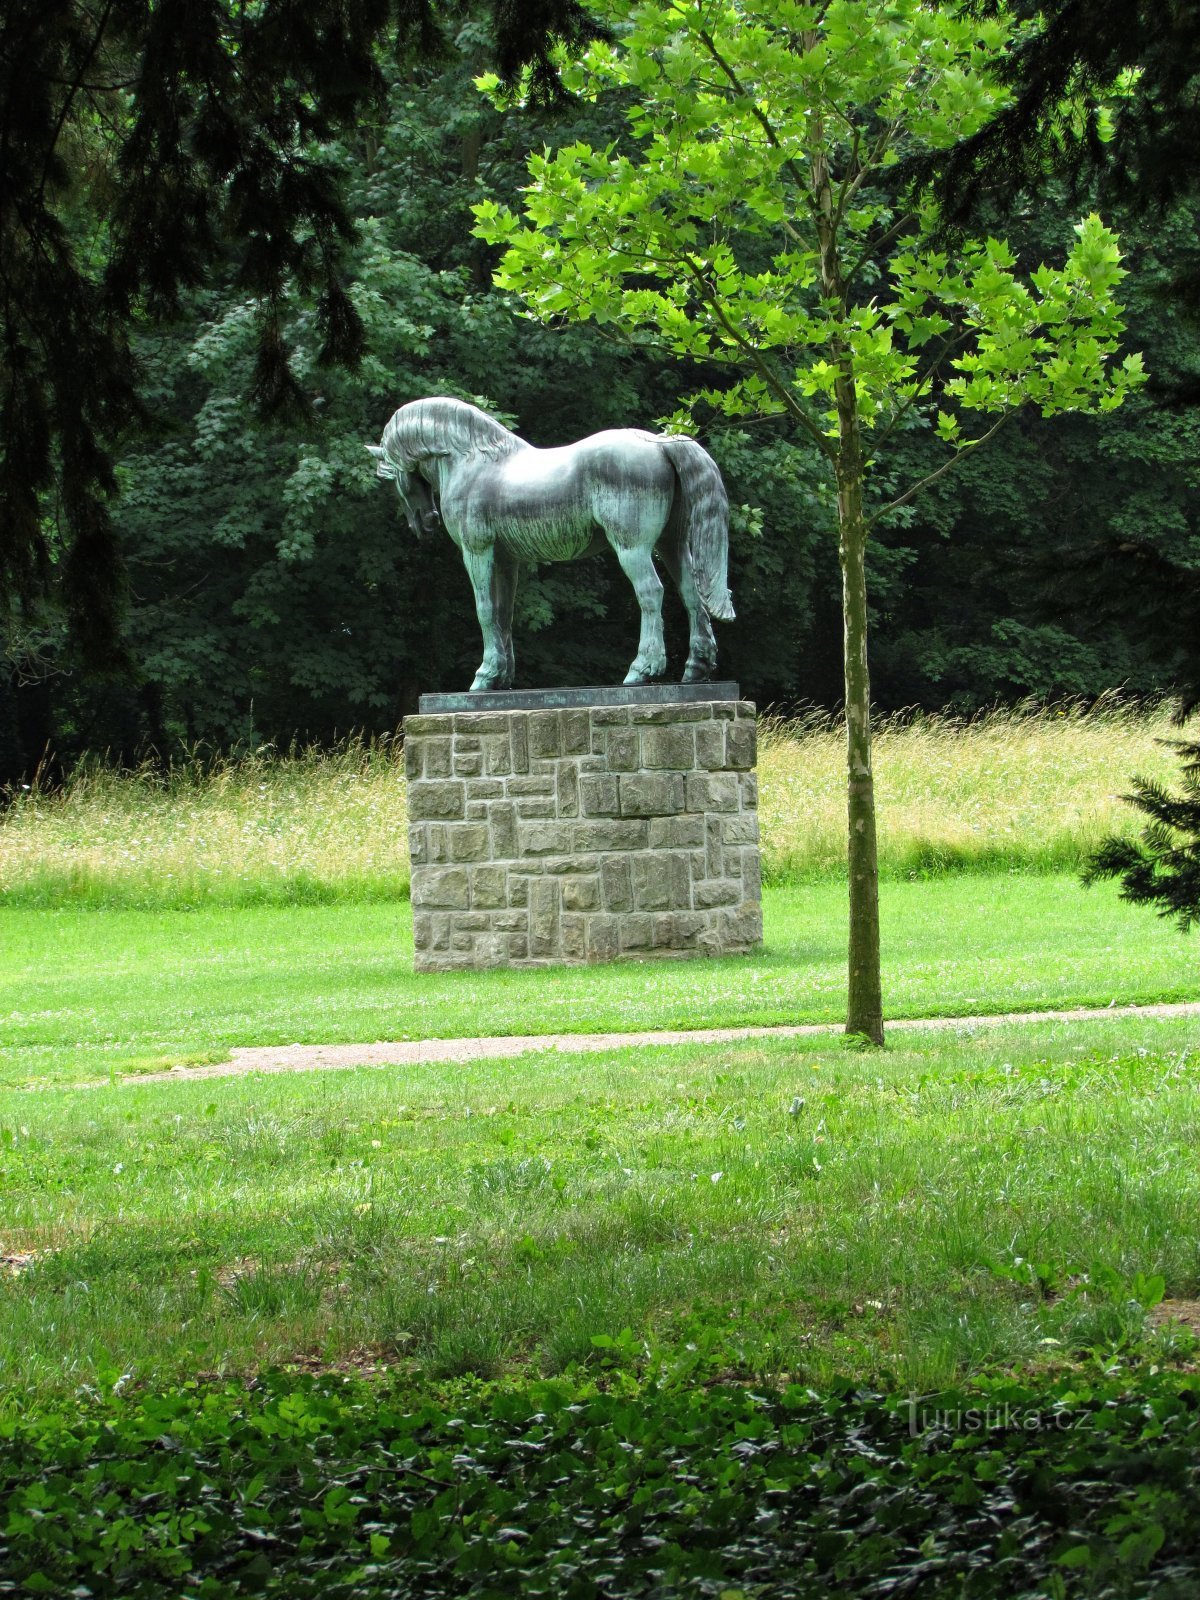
(376, 450)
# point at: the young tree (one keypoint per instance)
(753, 230)
(1162, 869)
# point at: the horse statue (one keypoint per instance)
(503, 502)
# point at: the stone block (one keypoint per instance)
(468, 841)
(510, 921)
(712, 791)
(546, 838)
(519, 745)
(414, 727)
(477, 810)
(599, 796)
(686, 711)
(418, 849)
(741, 928)
(676, 833)
(661, 881)
(422, 930)
(752, 873)
(671, 748)
(611, 834)
(636, 932)
(489, 888)
(412, 759)
(473, 722)
(710, 745)
(616, 882)
(503, 818)
(441, 801)
(518, 889)
(441, 887)
(470, 922)
(576, 733)
(652, 794)
(623, 753)
(568, 790)
(741, 745)
(544, 917)
(535, 805)
(485, 788)
(603, 938)
(714, 858)
(535, 783)
(466, 744)
(716, 892)
(610, 716)
(573, 936)
(581, 893)
(468, 766)
(437, 846)
(497, 755)
(748, 784)
(740, 829)
(545, 733)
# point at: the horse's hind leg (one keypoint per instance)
(493, 669)
(702, 646)
(651, 660)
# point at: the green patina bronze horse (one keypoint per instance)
(503, 502)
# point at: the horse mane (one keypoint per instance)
(442, 426)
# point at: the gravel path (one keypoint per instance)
(414, 1052)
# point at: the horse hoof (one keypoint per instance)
(698, 674)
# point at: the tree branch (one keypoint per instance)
(932, 477)
(765, 371)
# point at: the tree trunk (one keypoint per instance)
(864, 1009)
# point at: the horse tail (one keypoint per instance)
(705, 519)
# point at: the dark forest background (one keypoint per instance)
(275, 592)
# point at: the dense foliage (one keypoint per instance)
(140, 146)
(273, 588)
(332, 1488)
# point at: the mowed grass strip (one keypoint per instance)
(88, 994)
(1032, 790)
(957, 1204)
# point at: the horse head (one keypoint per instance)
(420, 508)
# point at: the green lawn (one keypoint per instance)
(87, 993)
(959, 1203)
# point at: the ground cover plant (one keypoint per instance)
(85, 994)
(670, 1321)
(1032, 790)
(568, 1489)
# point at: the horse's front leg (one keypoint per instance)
(637, 563)
(504, 593)
(493, 669)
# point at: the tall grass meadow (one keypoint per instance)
(1030, 789)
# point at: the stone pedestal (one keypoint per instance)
(543, 837)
